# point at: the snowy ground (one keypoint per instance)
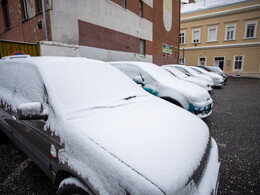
(234, 124)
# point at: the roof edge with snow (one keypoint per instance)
(195, 9)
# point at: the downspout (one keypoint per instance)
(44, 19)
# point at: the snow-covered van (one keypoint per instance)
(184, 94)
(92, 130)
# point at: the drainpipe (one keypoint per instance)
(183, 56)
(44, 18)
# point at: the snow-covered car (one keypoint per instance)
(198, 81)
(190, 72)
(216, 70)
(217, 79)
(93, 130)
(184, 94)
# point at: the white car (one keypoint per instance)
(189, 71)
(186, 95)
(198, 81)
(92, 129)
(217, 79)
(216, 70)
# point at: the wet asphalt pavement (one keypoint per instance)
(234, 123)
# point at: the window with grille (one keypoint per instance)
(250, 30)
(230, 32)
(238, 62)
(182, 37)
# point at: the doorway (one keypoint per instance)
(219, 62)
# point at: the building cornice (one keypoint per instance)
(221, 13)
(222, 46)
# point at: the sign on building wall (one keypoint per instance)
(167, 50)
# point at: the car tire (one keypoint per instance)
(72, 185)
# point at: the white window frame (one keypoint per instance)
(205, 64)
(247, 23)
(234, 32)
(216, 37)
(184, 36)
(197, 29)
(242, 63)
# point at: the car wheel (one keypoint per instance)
(71, 186)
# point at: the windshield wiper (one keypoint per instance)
(130, 97)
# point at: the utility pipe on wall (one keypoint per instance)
(44, 19)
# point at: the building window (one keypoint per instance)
(182, 37)
(250, 30)
(123, 2)
(238, 62)
(24, 10)
(38, 6)
(140, 8)
(6, 14)
(212, 34)
(219, 62)
(142, 47)
(202, 61)
(230, 32)
(196, 36)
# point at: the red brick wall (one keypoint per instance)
(160, 35)
(24, 31)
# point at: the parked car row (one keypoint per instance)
(93, 130)
(184, 94)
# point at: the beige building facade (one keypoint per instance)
(227, 36)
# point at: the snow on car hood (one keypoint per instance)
(119, 137)
(159, 141)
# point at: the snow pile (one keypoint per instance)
(206, 4)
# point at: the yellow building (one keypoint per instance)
(222, 33)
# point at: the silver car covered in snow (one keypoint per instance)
(92, 130)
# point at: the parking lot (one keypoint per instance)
(234, 124)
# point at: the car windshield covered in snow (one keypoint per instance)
(83, 87)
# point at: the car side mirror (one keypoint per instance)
(139, 80)
(31, 111)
